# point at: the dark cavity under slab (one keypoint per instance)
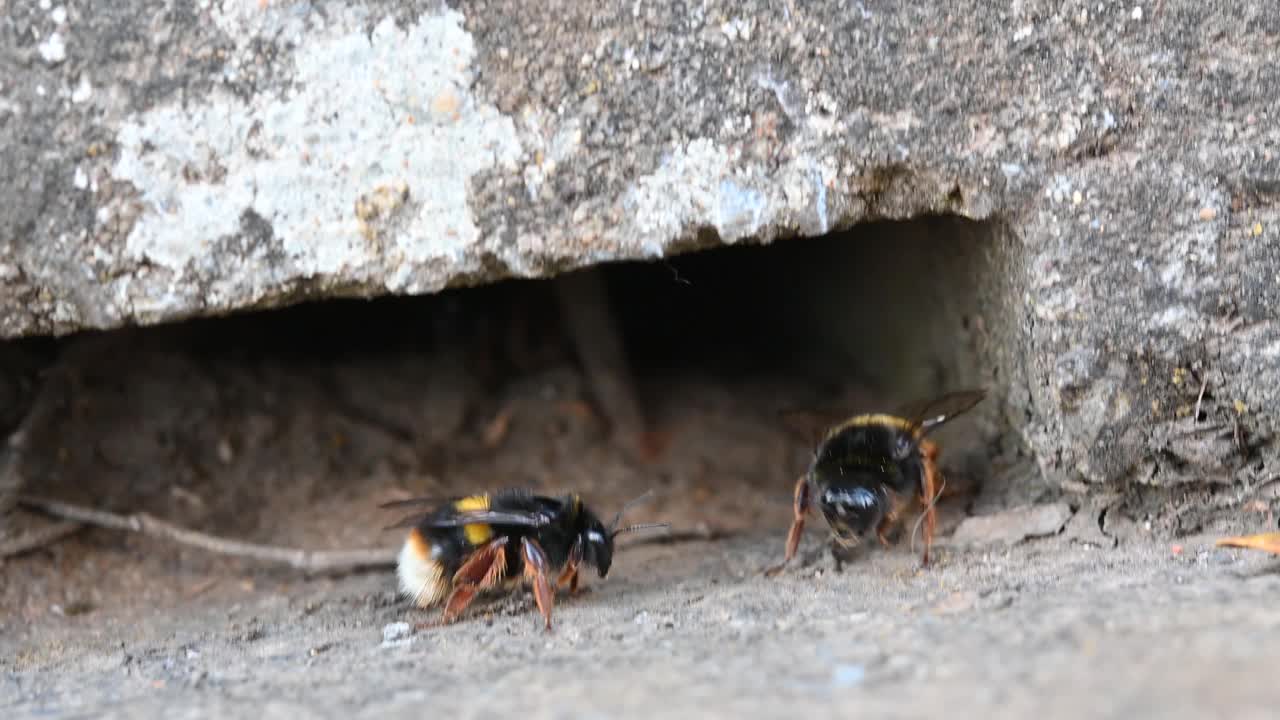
(291, 426)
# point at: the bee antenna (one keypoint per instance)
(627, 506)
(640, 526)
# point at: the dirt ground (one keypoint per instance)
(275, 437)
(1051, 628)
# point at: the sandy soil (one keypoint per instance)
(1053, 628)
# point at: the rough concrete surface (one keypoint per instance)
(1052, 629)
(164, 161)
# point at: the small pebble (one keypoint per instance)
(1208, 214)
(847, 676)
(1137, 12)
(83, 90)
(396, 634)
(53, 49)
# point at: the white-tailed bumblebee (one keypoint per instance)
(463, 546)
(867, 470)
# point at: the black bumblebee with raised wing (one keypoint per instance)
(868, 469)
(462, 546)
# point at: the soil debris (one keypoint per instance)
(1012, 526)
(1267, 542)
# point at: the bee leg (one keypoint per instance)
(929, 494)
(801, 507)
(483, 570)
(535, 570)
(837, 555)
(885, 525)
(570, 573)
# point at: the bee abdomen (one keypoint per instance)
(420, 572)
(852, 500)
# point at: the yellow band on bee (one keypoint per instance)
(472, 503)
(876, 419)
(476, 533)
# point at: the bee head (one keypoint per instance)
(597, 538)
(597, 546)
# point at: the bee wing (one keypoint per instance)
(809, 425)
(408, 521)
(417, 501)
(496, 517)
(470, 517)
(431, 518)
(929, 414)
(421, 501)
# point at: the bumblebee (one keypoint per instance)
(868, 469)
(463, 546)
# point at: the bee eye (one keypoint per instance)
(594, 536)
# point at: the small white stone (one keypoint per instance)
(46, 4)
(1137, 12)
(53, 49)
(59, 15)
(81, 180)
(392, 632)
(83, 90)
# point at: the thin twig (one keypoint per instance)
(1195, 418)
(308, 561)
(33, 539)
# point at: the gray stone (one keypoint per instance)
(1012, 526)
(160, 162)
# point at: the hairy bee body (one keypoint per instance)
(856, 479)
(434, 552)
(464, 546)
(868, 469)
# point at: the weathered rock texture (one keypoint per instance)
(161, 160)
